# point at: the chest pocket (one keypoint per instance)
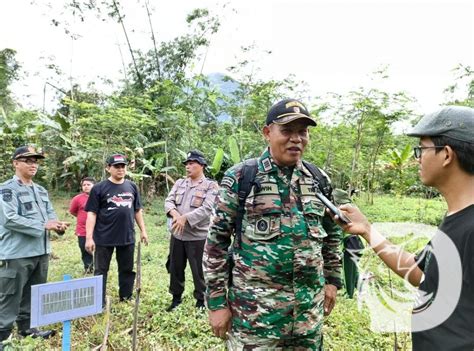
(179, 196)
(45, 200)
(27, 205)
(198, 198)
(263, 210)
(314, 211)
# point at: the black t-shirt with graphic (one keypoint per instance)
(115, 206)
(457, 331)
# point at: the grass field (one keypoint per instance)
(346, 329)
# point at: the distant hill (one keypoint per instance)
(226, 87)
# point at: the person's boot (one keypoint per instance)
(89, 269)
(36, 333)
(200, 305)
(126, 298)
(175, 303)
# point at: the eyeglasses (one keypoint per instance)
(29, 161)
(417, 150)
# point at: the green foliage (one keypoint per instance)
(403, 209)
(217, 163)
(165, 108)
(234, 150)
(9, 72)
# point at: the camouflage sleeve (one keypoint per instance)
(332, 252)
(216, 251)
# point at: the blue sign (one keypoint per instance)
(65, 300)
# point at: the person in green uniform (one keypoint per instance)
(287, 264)
(26, 217)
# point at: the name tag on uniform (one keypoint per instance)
(265, 189)
(307, 190)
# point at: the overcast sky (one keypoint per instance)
(333, 45)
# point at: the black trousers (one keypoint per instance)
(86, 257)
(181, 252)
(126, 276)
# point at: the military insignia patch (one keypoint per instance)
(28, 206)
(227, 181)
(262, 225)
(267, 164)
(7, 195)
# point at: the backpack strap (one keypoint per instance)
(320, 178)
(245, 185)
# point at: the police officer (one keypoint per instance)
(26, 216)
(287, 266)
(444, 316)
(189, 205)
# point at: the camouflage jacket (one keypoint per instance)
(290, 249)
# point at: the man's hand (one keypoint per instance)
(58, 226)
(359, 224)
(62, 226)
(330, 292)
(220, 321)
(174, 213)
(178, 224)
(90, 245)
(144, 238)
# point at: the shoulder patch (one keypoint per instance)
(7, 195)
(267, 164)
(227, 181)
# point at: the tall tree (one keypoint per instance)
(9, 72)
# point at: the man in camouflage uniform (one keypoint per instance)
(287, 266)
(26, 216)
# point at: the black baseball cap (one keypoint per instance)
(195, 155)
(117, 159)
(26, 151)
(288, 110)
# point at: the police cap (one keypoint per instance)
(26, 151)
(195, 155)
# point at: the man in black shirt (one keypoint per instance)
(444, 272)
(112, 209)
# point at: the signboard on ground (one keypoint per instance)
(65, 300)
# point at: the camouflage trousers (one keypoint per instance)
(299, 343)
